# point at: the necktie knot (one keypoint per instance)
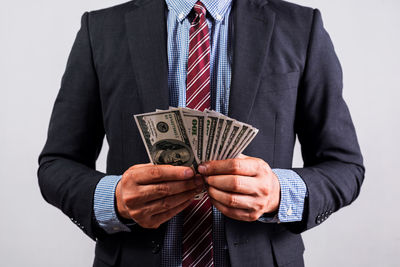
(200, 9)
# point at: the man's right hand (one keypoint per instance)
(152, 194)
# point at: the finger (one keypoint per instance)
(160, 173)
(236, 201)
(162, 205)
(233, 183)
(165, 216)
(140, 165)
(237, 214)
(248, 167)
(156, 191)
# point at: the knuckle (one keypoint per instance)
(155, 226)
(166, 204)
(134, 167)
(155, 172)
(125, 177)
(163, 189)
(145, 195)
(232, 201)
(144, 224)
(252, 207)
(264, 166)
(135, 198)
(126, 199)
(135, 214)
(252, 216)
(236, 165)
(152, 224)
(264, 190)
(258, 206)
(237, 183)
(123, 182)
(260, 162)
(146, 211)
(267, 205)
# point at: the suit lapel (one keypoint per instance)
(147, 37)
(253, 24)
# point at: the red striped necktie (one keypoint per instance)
(198, 71)
(197, 225)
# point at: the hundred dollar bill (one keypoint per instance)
(237, 140)
(236, 127)
(209, 132)
(194, 122)
(224, 137)
(250, 138)
(219, 128)
(165, 138)
(242, 142)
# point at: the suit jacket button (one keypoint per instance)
(156, 248)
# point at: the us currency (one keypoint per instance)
(220, 126)
(231, 137)
(247, 136)
(194, 123)
(165, 138)
(219, 130)
(224, 137)
(248, 140)
(182, 136)
(237, 140)
(209, 132)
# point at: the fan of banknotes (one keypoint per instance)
(187, 137)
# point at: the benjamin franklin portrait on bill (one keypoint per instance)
(172, 152)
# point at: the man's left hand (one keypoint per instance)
(243, 188)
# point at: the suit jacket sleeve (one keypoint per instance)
(333, 166)
(67, 175)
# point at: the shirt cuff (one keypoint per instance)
(104, 206)
(293, 194)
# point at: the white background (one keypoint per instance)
(35, 40)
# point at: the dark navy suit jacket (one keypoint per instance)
(286, 81)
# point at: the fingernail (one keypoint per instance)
(202, 169)
(189, 173)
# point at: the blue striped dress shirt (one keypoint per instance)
(293, 189)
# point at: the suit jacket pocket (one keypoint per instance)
(275, 82)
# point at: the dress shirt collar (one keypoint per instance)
(216, 8)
